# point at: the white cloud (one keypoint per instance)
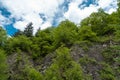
(76, 14)
(25, 11)
(109, 5)
(4, 20)
(20, 25)
(45, 25)
(106, 3)
(111, 10)
(28, 11)
(31, 17)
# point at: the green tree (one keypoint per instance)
(66, 33)
(37, 33)
(86, 34)
(3, 66)
(43, 42)
(64, 67)
(29, 30)
(113, 29)
(20, 42)
(97, 21)
(118, 6)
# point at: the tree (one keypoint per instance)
(43, 42)
(118, 12)
(29, 30)
(118, 5)
(86, 34)
(37, 33)
(66, 33)
(97, 21)
(20, 42)
(3, 36)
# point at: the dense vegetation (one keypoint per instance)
(90, 51)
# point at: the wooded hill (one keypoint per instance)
(90, 51)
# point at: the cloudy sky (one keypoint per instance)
(16, 14)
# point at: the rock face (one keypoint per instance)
(94, 52)
(17, 63)
(90, 58)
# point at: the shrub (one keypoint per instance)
(3, 66)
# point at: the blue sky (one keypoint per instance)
(16, 14)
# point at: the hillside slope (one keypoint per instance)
(94, 59)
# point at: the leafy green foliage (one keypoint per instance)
(43, 42)
(21, 42)
(107, 72)
(98, 21)
(66, 33)
(113, 18)
(117, 34)
(99, 29)
(3, 66)
(86, 34)
(111, 67)
(32, 74)
(111, 54)
(63, 67)
(118, 10)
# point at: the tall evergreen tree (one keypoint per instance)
(29, 30)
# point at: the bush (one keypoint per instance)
(32, 74)
(86, 34)
(65, 33)
(21, 42)
(63, 67)
(107, 73)
(3, 66)
(111, 54)
(43, 43)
